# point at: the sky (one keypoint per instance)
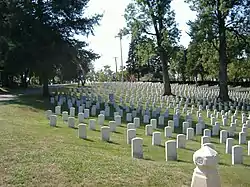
(104, 42)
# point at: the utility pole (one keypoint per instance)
(115, 68)
(120, 36)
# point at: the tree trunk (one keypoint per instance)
(183, 77)
(223, 60)
(82, 82)
(45, 81)
(202, 77)
(166, 80)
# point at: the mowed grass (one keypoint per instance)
(34, 154)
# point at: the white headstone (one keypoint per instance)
(80, 109)
(242, 138)
(112, 126)
(137, 148)
(207, 132)
(153, 122)
(223, 136)
(170, 150)
(145, 119)
(198, 129)
(148, 130)
(58, 110)
(72, 112)
(105, 133)
(224, 121)
(185, 125)
(131, 133)
(118, 120)
(131, 126)
(93, 110)
(86, 113)
(181, 141)
(137, 122)
(101, 119)
(231, 131)
(156, 138)
(82, 131)
(171, 124)
(53, 119)
(71, 122)
(65, 116)
(92, 123)
(81, 117)
(215, 130)
(229, 145)
(129, 117)
(168, 132)
(237, 155)
(190, 133)
(205, 139)
(161, 120)
(48, 114)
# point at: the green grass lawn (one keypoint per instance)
(34, 154)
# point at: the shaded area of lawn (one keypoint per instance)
(35, 101)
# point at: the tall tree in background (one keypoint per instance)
(157, 16)
(42, 34)
(133, 61)
(179, 62)
(215, 20)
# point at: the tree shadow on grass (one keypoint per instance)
(224, 164)
(246, 165)
(57, 127)
(116, 132)
(35, 101)
(148, 159)
(96, 130)
(162, 146)
(88, 140)
(112, 142)
(184, 161)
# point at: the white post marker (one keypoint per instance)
(205, 174)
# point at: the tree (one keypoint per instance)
(179, 62)
(42, 33)
(155, 15)
(133, 61)
(106, 74)
(215, 20)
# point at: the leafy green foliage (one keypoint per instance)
(224, 25)
(154, 19)
(38, 36)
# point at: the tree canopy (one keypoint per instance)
(219, 47)
(38, 38)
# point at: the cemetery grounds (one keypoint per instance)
(34, 154)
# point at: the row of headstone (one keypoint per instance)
(236, 150)
(117, 88)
